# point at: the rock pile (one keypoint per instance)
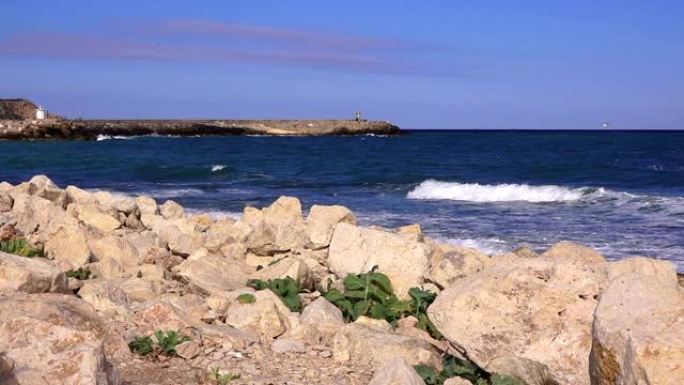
(116, 269)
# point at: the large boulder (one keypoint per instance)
(450, 262)
(638, 329)
(6, 201)
(321, 222)
(396, 372)
(355, 250)
(96, 218)
(146, 205)
(319, 322)
(42, 186)
(182, 238)
(528, 318)
(31, 275)
(208, 273)
(266, 316)
(277, 228)
(374, 347)
(68, 243)
(34, 214)
(566, 250)
(171, 210)
(225, 232)
(53, 339)
(114, 247)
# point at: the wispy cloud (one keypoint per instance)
(207, 41)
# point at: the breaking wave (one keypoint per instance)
(109, 137)
(474, 192)
(217, 167)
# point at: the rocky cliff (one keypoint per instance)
(17, 109)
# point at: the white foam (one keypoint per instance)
(109, 137)
(217, 167)
(173, 193)
(216, 214)
(474, 192)
(489, 246)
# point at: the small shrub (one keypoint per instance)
(166, 343)
(81, 274)
(287, 289)
(141, 346)
(454, 367)
(246, 298)
(19, 246)
(222, 379)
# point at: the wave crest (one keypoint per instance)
(474, 192)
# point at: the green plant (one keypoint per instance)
(222, 379)
(141, 345)
(421, 299)
(80, 274)
(166, 343)
(246, 298)
(455, 367)
(21, 247)
(286, 288)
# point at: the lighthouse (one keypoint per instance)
(41, 113)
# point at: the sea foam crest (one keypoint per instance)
(217, 167)
(474, 192)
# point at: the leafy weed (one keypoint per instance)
(286, 288)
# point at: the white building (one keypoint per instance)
(41, 113)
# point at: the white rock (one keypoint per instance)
(397, 372)
(322, 220)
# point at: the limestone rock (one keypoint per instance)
(68, 244)
(355, 250)
(34, 214)
(31, 275)
(322, 220)
(411, 232)
(42, 186)
(208, 273)
(54, 339)
(525, 252)
(105, 297)
(397, 372)
(638, 329)
(280, 227)
(368, 346)
(287, 267)
(181, 241)
(223, 233)
(569, 250)
(267, 316)
(281, 346)
(146, 205)
(97, 219)
(526, 317)
(451, 262)
(457, 381)
(188, 350)
(6, 201)
(319, 322)
(114, 247)
(171, 210)
(79, 196)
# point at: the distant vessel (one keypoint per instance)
(605, 125)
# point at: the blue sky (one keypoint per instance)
(437, 64)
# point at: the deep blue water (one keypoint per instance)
(620, 192)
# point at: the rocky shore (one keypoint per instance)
(97, 288)
(92, 129)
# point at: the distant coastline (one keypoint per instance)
(21, 119)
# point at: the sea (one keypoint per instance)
(621, 192)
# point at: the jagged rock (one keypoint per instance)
(34, 213)
(288, 267)
(95, 218)
(31, 275)
(234, 251)
(181, 241)
(146, 205)
(411, 232)
(321, 222)
(106, 268)
(171, 210)
(525, 252)
(526, 317)
(68, 244)
(364, 345)
(132, 222)
(223, 233)
(74, 284)
(638, 328)
(355, 250)
(54, 339)
(450, 262)
(202, 221)
(114, 247)
(397, 372)
(208, 273)
(319, 322)
(42, 186)
(188, 350)
(105, 296)
(277, 228)
(565, 250)
(267, 316)
(6, 201)
(78, 196)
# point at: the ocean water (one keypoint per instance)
(619, 192)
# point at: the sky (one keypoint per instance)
(460, 64)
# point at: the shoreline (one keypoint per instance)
(110, 269)
(92, 129)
